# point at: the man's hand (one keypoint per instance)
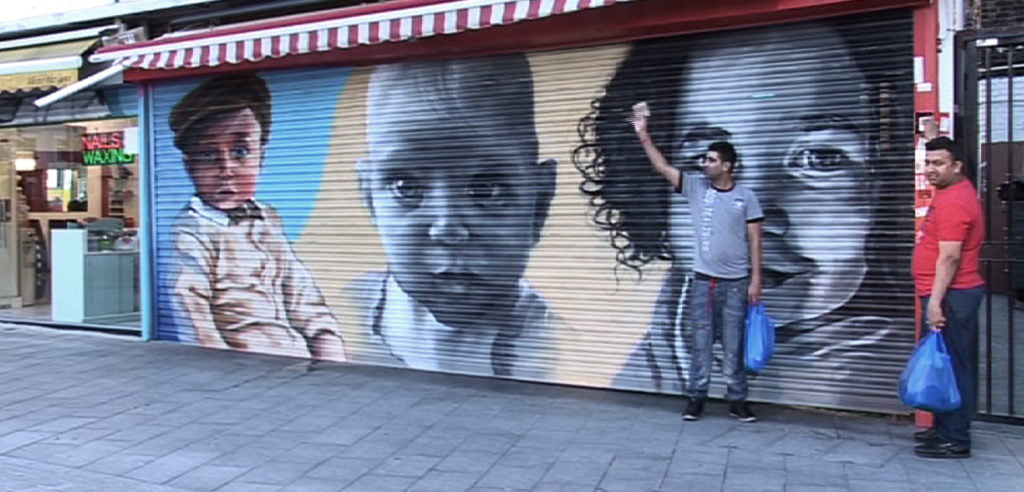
(754, 292)
(936, 319)
(641, 113)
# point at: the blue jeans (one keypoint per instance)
(961, 334)
(718, 311)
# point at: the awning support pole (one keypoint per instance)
(80, 85)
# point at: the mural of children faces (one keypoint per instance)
(800, 112)
(797, 130)
(239, 283)
(224, 158)
(458, 197)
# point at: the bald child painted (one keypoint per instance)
(454, 187)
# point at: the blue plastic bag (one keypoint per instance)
(928, 382)
(760, 337)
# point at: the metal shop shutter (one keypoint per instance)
(821, 115)
(239, 162)
(496, 216)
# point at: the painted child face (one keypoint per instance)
(800, 154)
(224, 159)
(458, 215)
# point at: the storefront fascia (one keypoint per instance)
(52, 178)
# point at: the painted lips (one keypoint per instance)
(456, 282)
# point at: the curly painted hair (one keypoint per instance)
(628, 199)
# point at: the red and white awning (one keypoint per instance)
(336, 30)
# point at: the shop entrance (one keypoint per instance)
(990, 123)
(8, 236)
(68, 219)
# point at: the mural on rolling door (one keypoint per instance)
(822, 131)
(453, 183)
(228, 275)
(458, 170)
(496, 216)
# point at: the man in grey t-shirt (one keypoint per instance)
(727, 220)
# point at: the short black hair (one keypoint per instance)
(726, 152)
(947, 144)
(219, 96)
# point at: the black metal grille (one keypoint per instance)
(990, 122)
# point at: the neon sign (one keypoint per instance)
(101, 149)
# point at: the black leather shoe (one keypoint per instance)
(942, 449)
(926, 436)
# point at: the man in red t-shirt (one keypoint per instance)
(946, 279)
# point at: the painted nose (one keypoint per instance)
(448, 227)
(447, 231)
(225, 165)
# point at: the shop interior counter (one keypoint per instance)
(91, 286)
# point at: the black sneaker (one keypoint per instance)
(694, 409)
(741, 411)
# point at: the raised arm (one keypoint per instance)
(641, 113)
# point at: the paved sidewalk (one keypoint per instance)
(84, 411)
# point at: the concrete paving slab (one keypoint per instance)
(859, 485)
(276, 473)
(514, 477)
(99, 412)
(29, 475)
(405, 465)
(371, 482)
(693, 482)
(207, 477)
(443, 481)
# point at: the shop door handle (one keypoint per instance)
(5, 217)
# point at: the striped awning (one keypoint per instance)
(335, 30)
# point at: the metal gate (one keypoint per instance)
(990, 124)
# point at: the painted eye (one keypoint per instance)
(485, 193)
(819, 159)
(240, 152)
(406, 190)
(205, 156)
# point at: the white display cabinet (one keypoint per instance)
(91, 286)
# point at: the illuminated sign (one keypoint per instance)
(99, 149)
